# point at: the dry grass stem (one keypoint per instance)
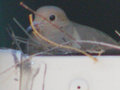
(35, 32)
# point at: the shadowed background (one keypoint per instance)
(100, 14)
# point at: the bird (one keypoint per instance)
(57, 27)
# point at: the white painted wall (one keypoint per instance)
(62, 73)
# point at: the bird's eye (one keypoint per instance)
(52, 17)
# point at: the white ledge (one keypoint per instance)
(59, 72)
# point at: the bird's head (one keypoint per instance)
(50, 17)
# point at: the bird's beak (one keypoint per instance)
(29, 28)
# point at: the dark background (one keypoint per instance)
(101, 14)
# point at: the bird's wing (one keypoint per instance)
(88, 33)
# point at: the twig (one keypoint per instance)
(24, 39)
(54, 25)
(118, 33)
(22, 28)
(51, 49)
(35, 32)
(14, 38)
(99, 43)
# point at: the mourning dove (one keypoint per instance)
(57, 20)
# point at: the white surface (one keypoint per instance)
(64, 73)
